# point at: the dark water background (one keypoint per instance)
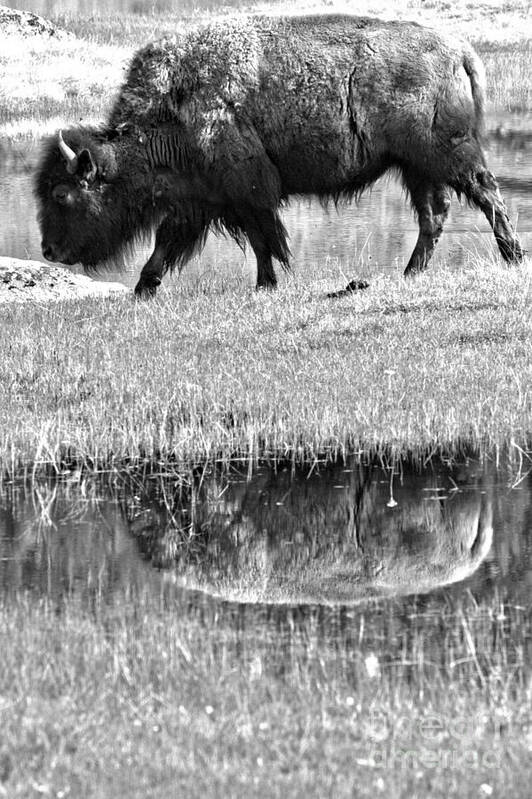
(375, 235)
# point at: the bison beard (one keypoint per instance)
(217, 128)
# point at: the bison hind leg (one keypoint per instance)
(431, 203)
(481, 189)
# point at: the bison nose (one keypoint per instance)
(49, 251)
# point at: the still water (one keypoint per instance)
(344, 535)
(375, 235)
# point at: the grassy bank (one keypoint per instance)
(176, 701)
(219, 370)
(49, 83)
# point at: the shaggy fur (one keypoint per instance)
(220, 126)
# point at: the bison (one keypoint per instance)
(218, 127)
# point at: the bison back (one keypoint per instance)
(272, 106)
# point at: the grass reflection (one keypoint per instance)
(265, 703)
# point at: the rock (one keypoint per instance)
(26, 23)
(27, 281)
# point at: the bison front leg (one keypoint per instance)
(482, 189)
(432, 205)
(267, 236)
(175, 243)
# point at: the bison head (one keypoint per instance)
(84, 206)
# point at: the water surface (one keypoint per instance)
(415, 567)
(339, 535)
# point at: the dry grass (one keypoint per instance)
(428, 365)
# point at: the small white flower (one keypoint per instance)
(372, 665)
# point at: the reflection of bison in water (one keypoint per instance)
(217, 128)
(331, 538)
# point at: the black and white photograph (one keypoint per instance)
(265, 399)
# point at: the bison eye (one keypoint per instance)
(62, 195)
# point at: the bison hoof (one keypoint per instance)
(271, 286)
(146, 288)
(511, 251)
(353, 285)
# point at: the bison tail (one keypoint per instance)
(475, 73)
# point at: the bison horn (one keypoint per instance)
(68, 154)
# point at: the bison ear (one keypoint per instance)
(86, 168)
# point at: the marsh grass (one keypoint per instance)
(46, 84)
(154, 696)
(508, 68)
(424, 366)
